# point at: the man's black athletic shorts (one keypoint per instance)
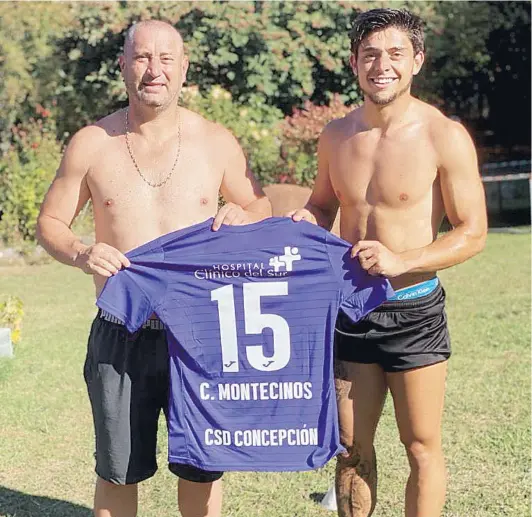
(399, 335)
(127, 380)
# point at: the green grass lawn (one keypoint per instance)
(46, 437)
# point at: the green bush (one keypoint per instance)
(477, 66)
(256, 126)
(300, 139)
(279, 150)
(26, 170)
(30, 73)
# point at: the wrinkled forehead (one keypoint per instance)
(153, 37)
(390, 37)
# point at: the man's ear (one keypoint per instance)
(419, 59)
(185, 67)
(353, 63)
(121, 62)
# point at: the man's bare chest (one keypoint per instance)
(392, 172)
(118, 186)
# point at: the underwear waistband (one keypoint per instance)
(413, 292)
(152, 323)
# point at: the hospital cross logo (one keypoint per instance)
(286, 260)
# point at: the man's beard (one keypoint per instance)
(152, 102)
(375, 98)
(159, 102)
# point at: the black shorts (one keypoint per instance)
(127, 380)
(397, 335)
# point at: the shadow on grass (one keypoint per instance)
(316, 497)
(19, 504)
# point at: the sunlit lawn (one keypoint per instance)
(46, 441)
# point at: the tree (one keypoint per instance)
(27, 36)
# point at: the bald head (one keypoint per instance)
(153, 26)
(154, 64)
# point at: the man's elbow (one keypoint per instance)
(476, 237)
(261, 207)
(40, 229)
(44, 229)
(268, 209)
(325, 216)
(480, 243)
(264, 207)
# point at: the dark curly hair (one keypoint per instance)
(379, 19)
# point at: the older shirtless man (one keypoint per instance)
(395, 166)
(150, 169)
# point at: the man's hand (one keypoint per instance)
(302, 214)
(101, 259)
(377, 259)
(231, 214)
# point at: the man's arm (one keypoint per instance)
(465, 206)
(66, 196)
(322, 206)
(245, 200)
(464, 201)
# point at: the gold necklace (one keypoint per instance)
(128, 144)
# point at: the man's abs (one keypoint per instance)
(398, 230)
(388, 187)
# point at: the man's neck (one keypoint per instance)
(152, 123)
(388, 116)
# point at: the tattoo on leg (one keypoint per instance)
(341, 382)
(356, 484)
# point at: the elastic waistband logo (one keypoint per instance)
(416, 291)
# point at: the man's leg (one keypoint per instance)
(112, 500)
(123, 373)
(418, 396)
(200, 499)
(361, 392)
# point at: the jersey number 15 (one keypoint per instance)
(255, 321)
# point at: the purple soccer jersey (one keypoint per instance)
(250, 313)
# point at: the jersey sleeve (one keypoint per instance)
(360, 292)
(133, 294)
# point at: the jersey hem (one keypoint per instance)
(251, 468)
(118, 314)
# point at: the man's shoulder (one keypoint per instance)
(201, 127)
(101, 130)
(114, 123)
(348, 124)
(435, 120)
(447, 135)
(443, 129)
(217, 137)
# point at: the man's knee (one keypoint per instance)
(357, 456)
(422, 453)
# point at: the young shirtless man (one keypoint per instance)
(150, 169)
(395, 166)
